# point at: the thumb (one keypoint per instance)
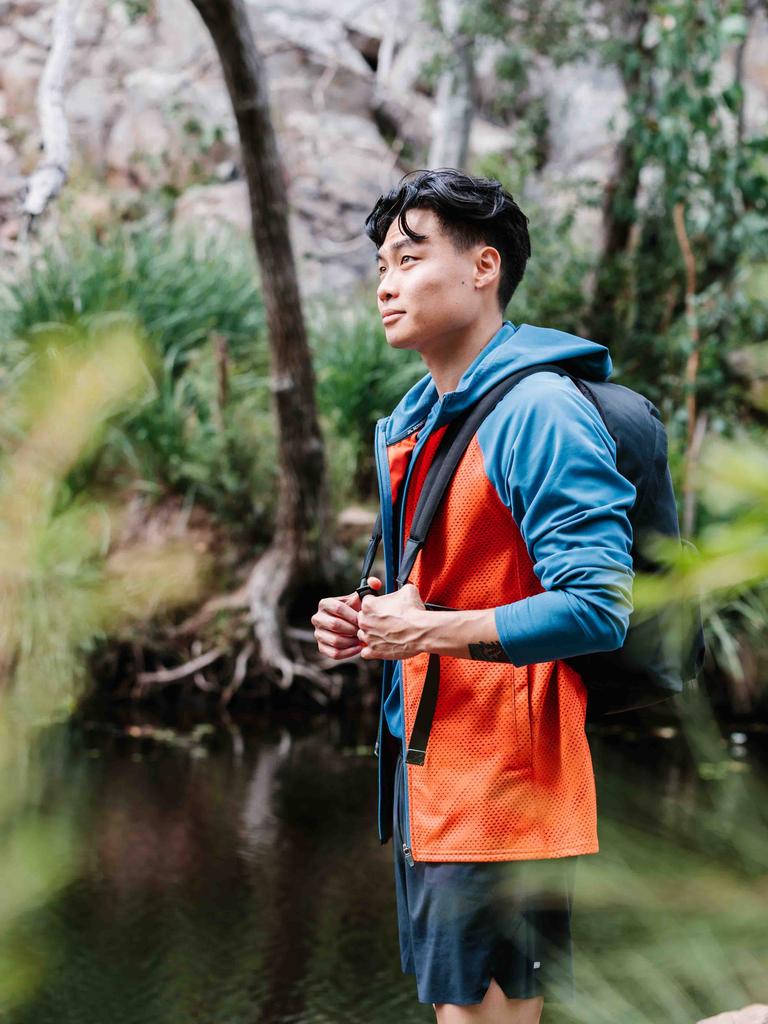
(375, 583)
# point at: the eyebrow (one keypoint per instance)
(402, 243)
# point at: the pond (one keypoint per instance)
(232, 874)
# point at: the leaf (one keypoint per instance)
(734, 27)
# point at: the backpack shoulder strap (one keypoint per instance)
(454, 443)
(452, 447)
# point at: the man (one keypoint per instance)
(532, 543)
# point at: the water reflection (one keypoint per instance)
(240, 880)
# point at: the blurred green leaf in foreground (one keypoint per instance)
(672, 913)
(60, 588)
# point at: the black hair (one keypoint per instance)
(470, 211)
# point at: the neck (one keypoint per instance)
(455, 352)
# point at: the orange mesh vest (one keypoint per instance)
(508, 773)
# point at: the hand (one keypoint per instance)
(391, 626)
(336, 624)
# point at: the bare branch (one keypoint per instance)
(48, 178)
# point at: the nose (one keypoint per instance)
(385, 289)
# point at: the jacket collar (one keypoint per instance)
(510, 349)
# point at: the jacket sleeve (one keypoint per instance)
(553, 463)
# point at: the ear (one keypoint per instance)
(487, 268)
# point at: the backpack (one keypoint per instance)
(655, 657)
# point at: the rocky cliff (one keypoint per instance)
(152, 129)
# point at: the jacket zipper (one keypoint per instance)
(400, 817)
(385, 501)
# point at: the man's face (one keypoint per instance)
(429, 283)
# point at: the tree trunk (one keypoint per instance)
(298, 548)
(454, 103)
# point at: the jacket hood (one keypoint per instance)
(510, 349)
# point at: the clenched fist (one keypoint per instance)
(336, 624)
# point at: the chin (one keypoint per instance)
(400, 339)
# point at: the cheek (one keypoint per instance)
(444, 290)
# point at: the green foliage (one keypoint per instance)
(135, 9)
(547, 298)
(668, 927)
(683, 131)
(527, 30)
(58, 592)
(359, 380)
(178, 290)
(728, 568)
(197, 307)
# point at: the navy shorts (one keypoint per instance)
(461, 924)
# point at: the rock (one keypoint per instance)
(181, 33)
(406, 48)
(487, 138)
(355, 517)
(756, 76)
(92, 208)
(19, 77)
(205, 207)
(323, 38)
(148, 108)
(89, 24)
(353, 523)
(11, 183)
(582, 98)
(152, 87)
(7, 157)
(36, 30)
(227, 170)
(138, 147)
(8, 40)
(91, 104)
(757, 1013)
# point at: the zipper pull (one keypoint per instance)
(407, 854)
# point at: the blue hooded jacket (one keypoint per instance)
(552, 462)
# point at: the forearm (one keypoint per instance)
(545, 627)
(462, 634)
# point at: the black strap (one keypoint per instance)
(452, 447)
(368, 559)
(425, 713)
(450, 451)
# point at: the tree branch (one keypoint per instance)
(48, 178)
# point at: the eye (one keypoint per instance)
(406, 257)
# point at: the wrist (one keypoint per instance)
(428, 630)
(449, 633)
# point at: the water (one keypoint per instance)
(236, 878)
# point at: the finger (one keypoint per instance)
(332, 608)
(331, 652)
(368, 654)
(333, 624)
(374, 582)
(335, 641)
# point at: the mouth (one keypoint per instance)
(390, 318)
